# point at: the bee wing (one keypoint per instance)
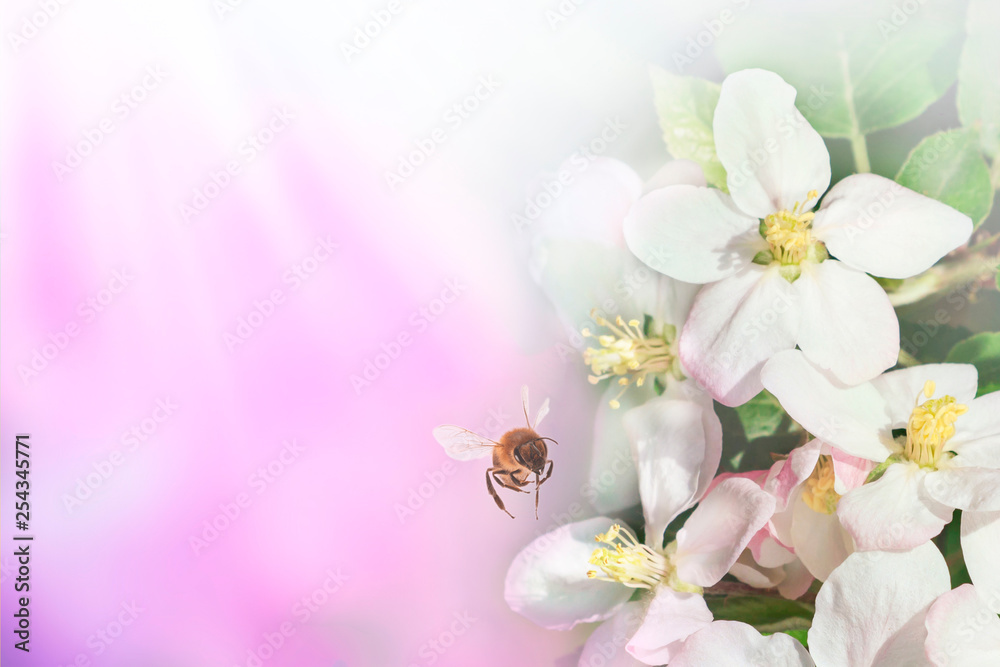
(462, 444)
(524, 403)
(542, 411)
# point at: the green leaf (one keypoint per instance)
(978, 83)
(686, 107)
(802, 636)
(949, 167)
(764, 613)
(983, 352)
(761, 415)
(857, 70)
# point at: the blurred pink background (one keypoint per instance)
(201, 247)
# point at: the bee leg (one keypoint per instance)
(511, 482)
(493, 492)
(537, 484)
(547, 474)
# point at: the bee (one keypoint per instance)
(520, 453)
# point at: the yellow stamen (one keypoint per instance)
(789, 232)
(626, 561)
(818, 493)
(931, 426)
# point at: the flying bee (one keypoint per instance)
(520, 453)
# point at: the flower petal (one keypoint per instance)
(719, 529)
(877, 226)
(606, 646)
(820, 542)
(734, 644)
(980, 546)
(900, 389)
(547, 581)
(977, 432)
(735, 326)
(671, 618)
(797, 581)
(848, 324)
(975, 489)
(793, 471)
(871, 609)
(962, 630)
(692, 234)
(677, 446)
(676, 172)
(849, 472)
(893, 513)
(772, 155)
(613, 483)
(850, 418)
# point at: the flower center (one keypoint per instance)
(789, 237)
(818, 493)
(931, 426)
(633, 564)
(628, 353)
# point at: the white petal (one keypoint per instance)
(733, 644)
(752, 573)
(797, 581)
(820, 542)
(871, 609)
(976, 489)
(613, 483)
(719, 529)
(734, 327)
(547, 581)
(676, 456)
(668, 301)
(893, 513)
(977, 432)
(980, 546)
(676, 172)
(877, 226)
(848, 325)
(606, 646)
(900, 389)
(772, 155)
(692, 234)
(671, 618)
(791, 472)
(849, 472)
(850, 418)
(962, 630)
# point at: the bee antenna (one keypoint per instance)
(550, 440)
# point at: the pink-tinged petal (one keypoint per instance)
(900, 389)
(977, 433)
(877, 226)
(734, 644)
(850, 418)
(848, 325)
(975, 489)
(980, 546)
(719, 529)
(793, 471)
(768, 551)
(871, 610)
(677, 172)
(797, 581)
(772, 155)
(692, 234)
(962, 630)
(547, 581)
(671, 618)
(735, 326)
(613, 483)
(677, 446)
(821, 543)
(849, 472)
(606, 646)
(752, 573)
(893, 513)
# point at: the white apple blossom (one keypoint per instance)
(937, 447)
(775, 273)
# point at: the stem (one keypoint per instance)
(906, 359)
(736, 588)
(860, 150)
(963, 274)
